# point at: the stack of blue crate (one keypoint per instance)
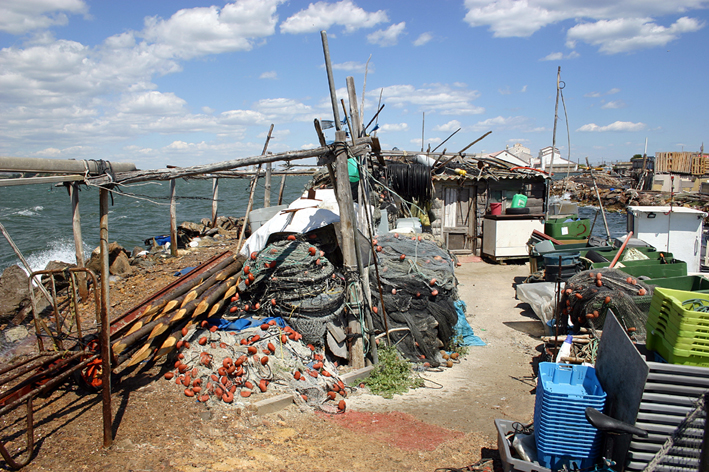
(562, 433)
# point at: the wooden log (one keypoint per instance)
(354, 112)
(330, 80)
(267, 186)
(281, 189)
(180, 172)
(58, 166)
(321, 138)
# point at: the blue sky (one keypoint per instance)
(193, 82)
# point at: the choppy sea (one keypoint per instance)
(38, 217)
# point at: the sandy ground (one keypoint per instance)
(448, 423)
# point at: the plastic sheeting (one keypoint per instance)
(540, 296)
(463, 328)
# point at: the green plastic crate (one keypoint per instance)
(673, 355)
(557, 228)
(649, 268)
(690, 283)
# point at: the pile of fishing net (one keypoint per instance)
(419, 291)
(224, 366)
(589, 294)
(292, 279)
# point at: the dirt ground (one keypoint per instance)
(447, 423)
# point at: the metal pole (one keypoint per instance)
(37, 280)
(330, 80)
(105, 304)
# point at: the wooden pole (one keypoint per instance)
(267, 186)
(78, 242)
(173, 220)
(58, 166)
(280, 190)
(349, 255)
(423, 125)
(321, 138)
(105, 304)
(330, 80)
(215, 196)
(553, 146)
(251, 193)
(354, 113)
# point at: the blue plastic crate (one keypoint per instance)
(581, 453)
(556, 461)
(569, 381)
(577, 437)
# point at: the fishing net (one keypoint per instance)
(589, 294)
(295, 281)
(419, 290)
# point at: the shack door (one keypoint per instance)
(459, 219)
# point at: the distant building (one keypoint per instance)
(508, 157)
(544, 161)
(521, 152)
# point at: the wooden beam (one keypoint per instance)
(215, 195)
(180, 172)
(54, 179)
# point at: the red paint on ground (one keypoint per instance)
(396, 429)
(471, 258)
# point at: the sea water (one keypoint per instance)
(38, 217)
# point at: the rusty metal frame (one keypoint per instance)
(53, 367)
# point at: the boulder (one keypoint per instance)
(192, 229)
(114, 250)
(121, 265)
(14, 293)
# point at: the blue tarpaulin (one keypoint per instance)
(463, 328)
(243, 323)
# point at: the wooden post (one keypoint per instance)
(354, 113)
(550, 182)
(321, 138)
(330, 80)
(280, 190)
(105, 304)
(267, 186)
(251, 193)
(349, 255)
(215, 196)
(78, 242)
(173, 220)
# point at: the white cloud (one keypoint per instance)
(618, 26)
(449, 127)
(440, 98)
(196, 32)
(423, 39)
(613, 105)
(269, 75)
(520, 123)
(208, 110)
(524, 89)
(612, 91)
(21, 16)
(387, 37)
(322, 15)
(152, 103)
(505, 91)
(352, 66)
(615, 126)
(394, 127)
(558, 56)
(630, 34)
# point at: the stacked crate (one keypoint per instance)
(678, 326)
(562, 433)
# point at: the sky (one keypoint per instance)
(189, 82)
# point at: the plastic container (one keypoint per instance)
(510, 463)
(495, 208)
(260, 216)
(560, 228)
(519, 201)
(690, 283)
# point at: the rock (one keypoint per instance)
(15, 334)
(136, 250)
(14, 292)
(121, 265)
(193, 229)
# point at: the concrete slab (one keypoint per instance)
(273, 404)
(357, 375)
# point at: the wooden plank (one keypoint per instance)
(40, 180)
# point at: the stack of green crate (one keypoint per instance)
(678, 326)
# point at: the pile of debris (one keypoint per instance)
(614, 195)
